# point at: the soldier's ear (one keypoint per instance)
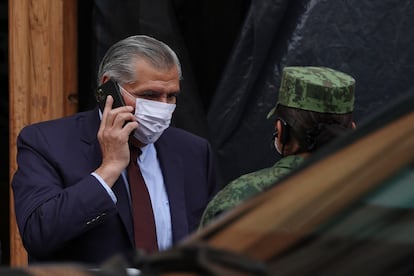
(353, 125)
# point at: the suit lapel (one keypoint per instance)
(172, 168)
(89, 125)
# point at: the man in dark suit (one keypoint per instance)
(71, 189)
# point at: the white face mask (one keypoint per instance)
(153, 118)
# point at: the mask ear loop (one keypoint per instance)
(285, 134)
(276, 135)
(273, 144)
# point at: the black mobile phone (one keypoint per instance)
(109, 88)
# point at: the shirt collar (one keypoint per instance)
(145, 149)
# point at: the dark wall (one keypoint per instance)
(370, 40)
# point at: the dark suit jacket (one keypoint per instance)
(64, 213)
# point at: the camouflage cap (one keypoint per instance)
(318, 89)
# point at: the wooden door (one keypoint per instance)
(42, 76)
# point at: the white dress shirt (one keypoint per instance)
(154, 180)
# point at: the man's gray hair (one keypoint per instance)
(120, 59)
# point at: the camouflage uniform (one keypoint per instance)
(247, 186)
(317, 89)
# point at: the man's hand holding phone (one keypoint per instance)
(114, 131)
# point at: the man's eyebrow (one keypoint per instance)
(154, 93)
(157, 92)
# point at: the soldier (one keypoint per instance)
(315, 105)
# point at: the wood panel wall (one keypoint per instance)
(42, 76)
